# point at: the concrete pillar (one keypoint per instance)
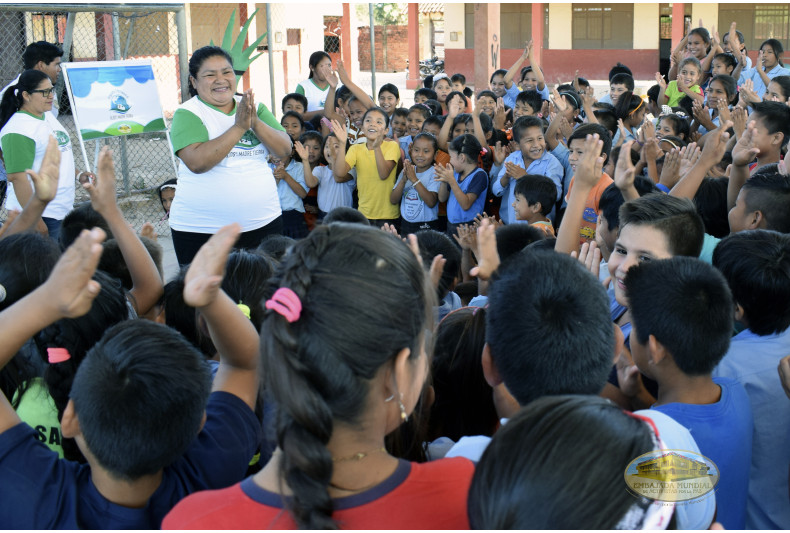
(487, 43)
(345, 35)
(413, 81)
(678, 27)
(646, 31)
(537, 32)
(560, 24)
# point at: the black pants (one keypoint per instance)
(407, 228)
(186, 244)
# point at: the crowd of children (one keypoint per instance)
(561, 286)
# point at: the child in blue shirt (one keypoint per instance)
(465, 179)
(292, 189)
(416, 189)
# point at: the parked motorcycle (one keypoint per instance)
(431, 67)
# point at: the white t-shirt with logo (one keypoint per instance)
(240, 188)
(412, 208)
(24, 140)
(316, 97)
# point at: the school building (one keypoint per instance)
(671, 467)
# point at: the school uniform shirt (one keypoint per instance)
(510, 95)
(332, 194)
(547, 165)
(562, 154)
(675, 95)
(416, 496)
(751, 361)
(702, 130)
(606, 99)
(316, 96)
(412, 208)
(754, 75)
(631, 135)
(44, 492)
(240, 188)
(477, 183)
(24, 140)
(289, 200)
(723, 431)
(591, 209)
(404, 143)
(374, 192)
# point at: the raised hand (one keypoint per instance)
(670, 171)
(624, 172)
(500, 153)
(444, 173)
(739, 117)
(661, 81)
(466, 237)
(589, 169)
(204, 277)
(332, 79)
(301, 151)
(689, 155)
(745, 150)
(340, 132)
(716, 144)
(102, 189)
(45, 181)
(486, 253)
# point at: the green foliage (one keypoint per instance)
(239, 54)
(384, 14)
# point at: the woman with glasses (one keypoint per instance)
(26, 123)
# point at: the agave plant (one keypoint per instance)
(239, 54)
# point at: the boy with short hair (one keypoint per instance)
(681, 311)
(138, 403)
(532, 158)
(756, 265)
(294, 102)
(458, 81)
(528, 103)
(618, 84)
(535, 196)
(424, 94)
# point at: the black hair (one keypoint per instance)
(703, 34)
(276, 246)
(686, 305)
(676, 141)
(460, 118)
(346, 214)
(513, 238)
(548, 327)
(536, 188)
(582, 131)
(679, 125)
(295, 115)
(458, 78)
(686, 104)
(183, 318)
(453, 94)
(433, 243)
(13, 100)
(246, 275)
(532, 98)
(571, 97)
(769, 193)
(436, 120)
(467, 145)
(172, 183)
(485, 122)
(40, 51)
(711, 203)
(302, 99)
(429, 93)
(26, 260)
(377, 109)
(741, 38)
(312, 135)
(315, 59)
(428, 137)
(443, 77)
(607, 119)
(623, 79)
(342, 93)
(464, 403)
(619, 68)
(487, 92)
(676, 218)
(434, 106)
(390, 88)
(776, 46)
(499, 72)
(729, 84)
(319, 367)
(728, 60)
(627, 105)
(756, 265)
(572, 441)
(113, 262)
(523, 124)
(775, 117)
(197, 59)
(84, 216)
(611, 200)
(784, 83)
(422, 109)
(140, 395)
(653, 92)
(427, 82)
(582, 82)
(400, 112)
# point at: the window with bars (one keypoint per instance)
(515, 25)
(757, 22)
(603, 26)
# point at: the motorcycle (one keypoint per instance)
(431, 67)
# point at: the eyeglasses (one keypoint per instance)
(46, 93)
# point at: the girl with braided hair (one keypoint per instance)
(344, 357)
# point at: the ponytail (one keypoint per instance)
(12, 99)
(468, 145)
(627, 105)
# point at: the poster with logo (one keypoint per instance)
(114, 98)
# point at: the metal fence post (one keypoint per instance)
(372, 53)
(183, 60)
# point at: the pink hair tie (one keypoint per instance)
(285, 302)
(58, 355)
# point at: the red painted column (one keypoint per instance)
(678, 23)
(413, 81)
(488, 48)
(345, 35)
(537, 32)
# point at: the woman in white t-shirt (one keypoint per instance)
(316, 87)
(223, 142)
(26, 124)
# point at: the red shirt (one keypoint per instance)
(416, 496)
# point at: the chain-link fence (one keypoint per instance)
(98, 33)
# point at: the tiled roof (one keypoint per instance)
(434, 7)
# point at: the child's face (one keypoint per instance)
(388, 102)
(529, 82)
(487, 104)
(292, 127)
(420, 98)
(458, 86)
(739, 216)
(765, 141)
(433, 129)
(374, 125)
(399, 126)
(769, 57)
(331, 146)
(716, 94)
(689, 75)
(636, 119)
(615, 90)
(522, 209)
(498, 85)
(664, 129)
(532, 143)
(167, 196)
(726, 43)
(719, 67)
(414, 123)
(635, 243)
(313, 151)
(355, 113)
(456, 160)
(293, 105)
(442, 88)
(774, 93)
(522, 109)
(469, 127)
(458, 129)
(575, 152)
(696, 46)
(422, 154)
(604, 237)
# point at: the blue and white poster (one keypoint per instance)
(114, 98)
